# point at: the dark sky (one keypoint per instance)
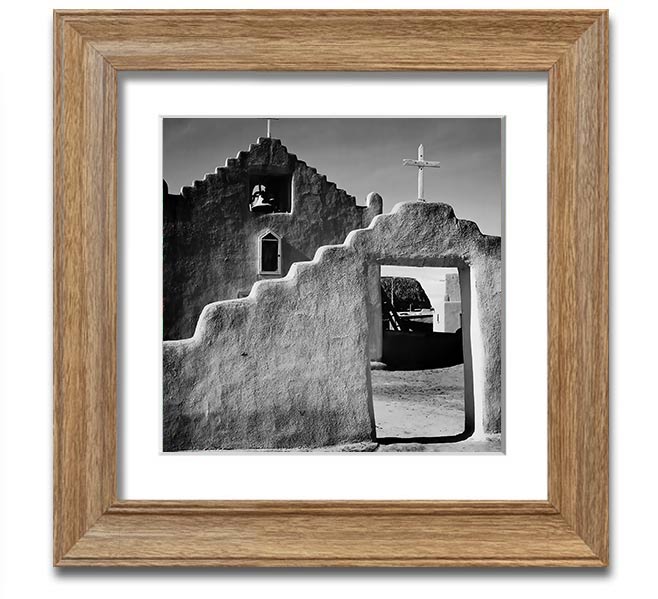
(360, 155)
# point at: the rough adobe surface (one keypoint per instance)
(288, 366)
(210, 237)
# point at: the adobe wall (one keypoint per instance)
(210, 249)
(288, 366)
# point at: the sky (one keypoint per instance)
(360, 155)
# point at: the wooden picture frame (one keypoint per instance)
(92, 527)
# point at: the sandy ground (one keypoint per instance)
(489, 444)
(419, 403)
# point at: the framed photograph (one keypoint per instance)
(332, 292)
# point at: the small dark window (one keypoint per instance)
(270, 254)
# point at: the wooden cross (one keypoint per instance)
(421, 164)
(269, 126)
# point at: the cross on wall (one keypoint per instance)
(269, 126)
(421, 164)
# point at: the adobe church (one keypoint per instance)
(248, 221)
(273, 305)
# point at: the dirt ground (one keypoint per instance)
(418, 403)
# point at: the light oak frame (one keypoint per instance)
(92, 527)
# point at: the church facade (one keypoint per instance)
(248, 221)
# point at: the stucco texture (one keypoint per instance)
(288, 366)
(210, 237)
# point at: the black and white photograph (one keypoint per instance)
(332, 284)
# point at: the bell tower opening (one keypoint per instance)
(269, 193)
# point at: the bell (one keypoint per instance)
(261, 204)
(259, 200)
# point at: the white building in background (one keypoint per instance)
(449, 311)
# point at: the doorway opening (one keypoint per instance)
(422, 383)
